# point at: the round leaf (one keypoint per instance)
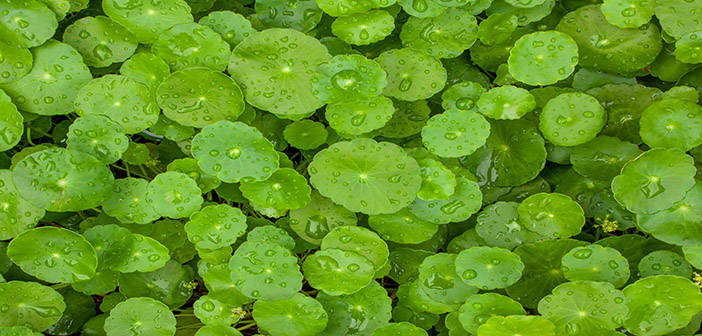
(596, 263)
(455, 133)
(552, 215)
(46, 89)
(29, 304)
(121, 99)
(63, 180)
(584, 307)
(266, 271)
(241, 152)
(216, 226)
(543, 58)
(366, 176)
(275, 68)
(412, 74)
(100, 40)
(17, 214)
(660, 304)
(135, 252)
(654, 181)
(140, 317)
(198, 97)
(571, 119)
(489, 267)
(174, 195)
(337, 272)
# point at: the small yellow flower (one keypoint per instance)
(606, 224)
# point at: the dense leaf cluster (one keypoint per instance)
(350, 167)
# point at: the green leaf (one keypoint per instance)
(614, 49)
(121, 99)
(517, 325)
(664, 263)
(506, 102)
(305, 134)
(399, 329)
(28, 23)
(489, 267)
(571, 119)
(551, 215)
(53, 255)
(360, 116)
(686, 48)
(499, 225)
(147, 69)
(672, 123)
(444, 36)
(422, 8)
(100, 40)
(218, 331)
(654, 181)
(463, 203)
(543, 58)
(412, 74)
(346, 78)
(241, 153)
(338, 272)
(356, 314)
(364, 28)
(168, 284)
(542, 269)
(660, 304)
(359, 240)
(147, 19)
(285, 190)
(212, 312)
(624, 105)
(479, 308)
(677, 18)
(98, 136)
(216, 226)
(140, 317)
(409, 119)
(174, 195)
(462, 96)
(16, 62)
(603, 157)
(367, 176)
(596, 263)
(275, 68)
(136, 252)
(628, 13)
(189, 45)
(199, 97)
(128, 202)
(233, 27)
(402, 227)
(455, 133)
(45, 90)
(266, 271)
(314, 221)
(585, 308)
(679, 223)
(63, 180)
(17, 331)
(29, 304)
(513, 154)
(18, 215)
(302, 15)
(190, 167)
(438, 279)
(273, 234)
